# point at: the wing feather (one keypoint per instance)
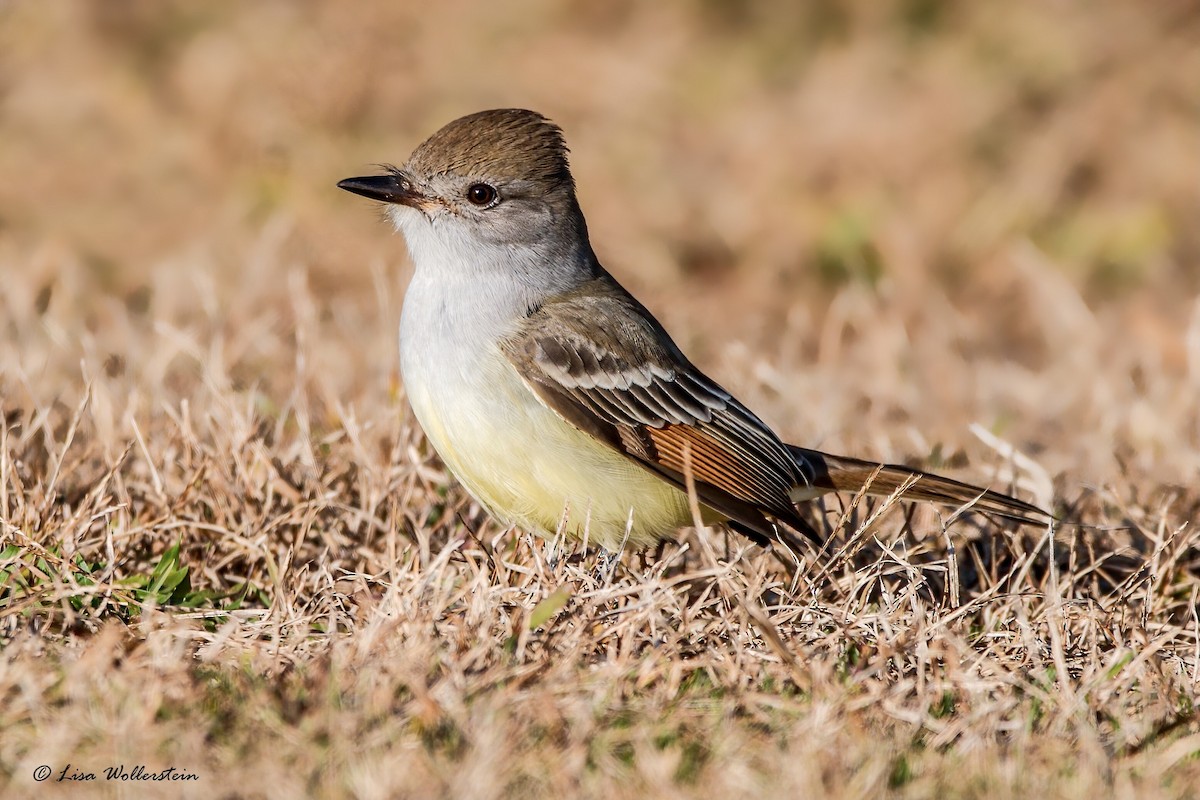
(598, 359)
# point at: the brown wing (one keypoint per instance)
(598, 359)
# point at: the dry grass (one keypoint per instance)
(926, 216)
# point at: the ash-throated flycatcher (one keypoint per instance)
(550, 392)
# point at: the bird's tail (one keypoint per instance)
(844, 474)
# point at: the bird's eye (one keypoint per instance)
(480, 194)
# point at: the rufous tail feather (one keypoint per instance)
(844, 474)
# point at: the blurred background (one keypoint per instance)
(879, 221)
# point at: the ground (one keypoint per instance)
(962, 236)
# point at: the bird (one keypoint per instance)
(556, 398)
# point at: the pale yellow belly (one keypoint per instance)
(530, 468)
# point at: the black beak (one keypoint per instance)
(391, 188)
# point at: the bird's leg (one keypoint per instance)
(553, 553)
(606, 564)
